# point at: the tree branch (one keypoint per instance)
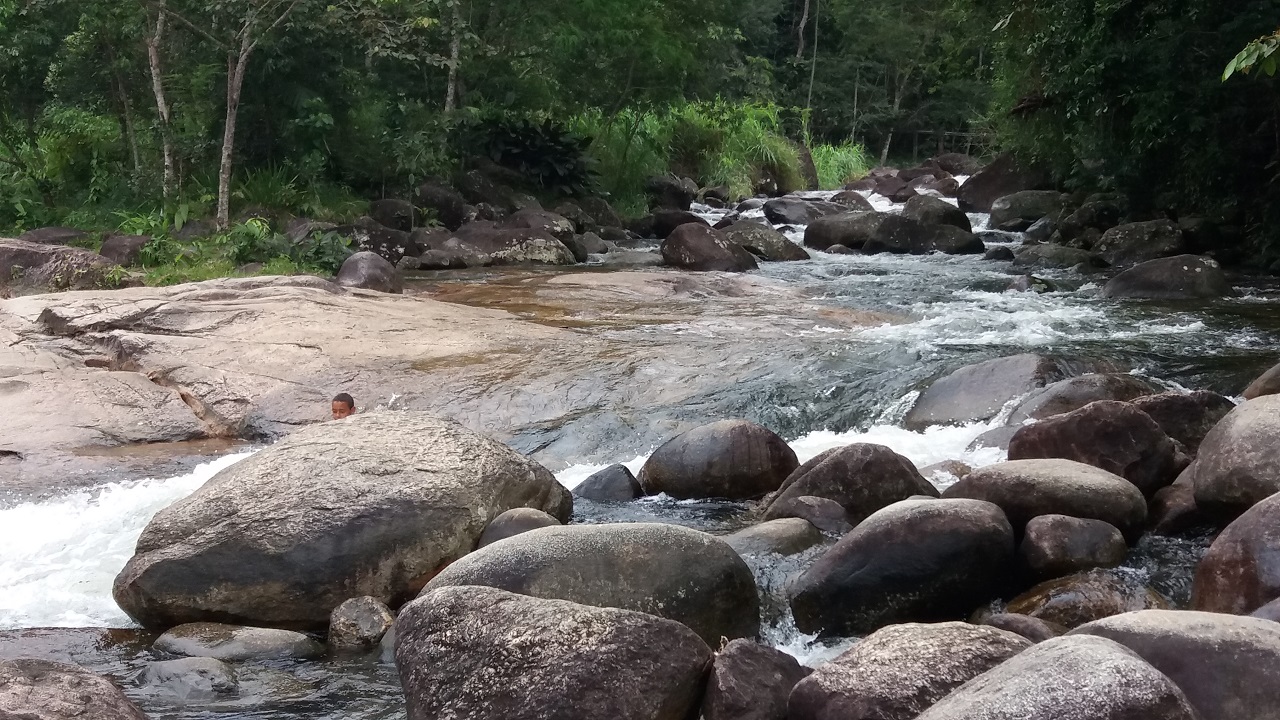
(163, 8)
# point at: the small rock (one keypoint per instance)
(514, 522)
(1031, 628)
(370, 271)
(613, 484)
(1057, 545)
(786, 536)
(45, 690)
(192, 676)
(1079, 599)
(235, 643)
(359, 624)
(825, 514)
(862, 477)
(750, 682)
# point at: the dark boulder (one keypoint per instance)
(585, 245)
(917, 560)
(852, 200)
(825, 514)
(862, 477)
(369, 235)
(602, 212)
(234, 643)
(797, 211)
(1138, 242)
(33, 689)
(847, 230)
(750, 682)
(1033, 629)
(891, 186)
(1027, 489)
(1098, 214)
(665, 570)
(358, 624)
(613, 484)
(669, 193)
(1268, 383)
(54, 236)
(33, 268)
(370, 271)
(999, 253)
(732, 459)
(123, 250)
(481, 244)
(764, 242)
(515, 522)
(1057, 545)
(1041, 231)
(1173, 510)
(1074, 393)
(1001, 178)
(956, 163)
(1239, 461)
(1078, 599)
(1270, 611)
(1040, 257)
(544, 659)
(396, 214)
(1241, 571)
(865, 185)
(994, 438)
(1186, 417)
(898, 672)
(977, 393)
(1031, 283)
(665, 222)
(447, 204)
(888, 232)
(581, 219)
(557, 226)
(932, 211)
(1017, 212)
(699, 248)
(1175, 278)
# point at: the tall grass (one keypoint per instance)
(839, 165)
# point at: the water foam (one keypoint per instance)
(58, 558)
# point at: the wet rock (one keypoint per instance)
(887, 232)
(1041, 231)
(862, 477)
(1068, 677)
(977, 393)
(1226, 665)
(359, 624)
(664, 570)
(1239, 461)
(395, 214)
(1183, 277)
(1098, 213)
(1267, 384)
(1001, 178)
(1083, 598)
(764, 242)
(825, 514)
(669, 193)
(845, 230)
(732, 459)
(370, 235)
(1039, 257)
(369, 271)
(956, 163)
(1027, 489)
(1241, 571)
(891, 186)
(373, 505)
(610, 663)
(750, 682)
(918, 560)
(585, 245)
(198, 676)
(1031, 283)
(54, 236)
(234, 643)
(1186, 417)
(787, 536)
(1000, 253)
(1017, 212)
(1074, 393)
(994, 438)
(613, 484)
(582, 221)
(447, 204)
(795, 211)
(1134, 243)
(514, 522)
(841, 250)
(932, 211)
(33, 689)
(698, 247)
(123, 250)
(1173, 510)
(1057, 545)
(898, 672)
(633, 259)
(1033, 629)
(949, 470)
(852, 200)
(865, 185)
(1114, 436)
(481, 244)
(32, 268)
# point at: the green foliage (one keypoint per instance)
(1260, 54)
(839, 165)
(550, 155)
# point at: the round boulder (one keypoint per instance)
(750, 682)
(372, 505)
(234, 643)
(613, 484)
(359, 624)
(825, 514)
(732, 459)
(853, 200)
(898, 672)
(44, 690)
(1186, 417)
(467, 652)
(665, 570)
(1033, 629)
(665, 222)
(698, 247)
(1079, 599)
(514, 522)
(932, 211)
(796, 211)
(786, 536)
(1074, 393)
(1069, 677)
(370, 271)
(1057, 545)
(1239, 461)
(1026, 489)
(196, 676)
(1138, 242)
(1241, 571)
(1268, 383)
(764, 242)
(862, 477)
(977, 393)
(1184, 277)
(917, 560)
(1017, 212)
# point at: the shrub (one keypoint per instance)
(839, 165)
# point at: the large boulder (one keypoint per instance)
(732, 459)
(786, 536)
(1040, 257)
(54, 236)
(796, 211)
(665, 570)
(1026, 489)
(613, 484)
(234, 643)
(956, 163)
(557, 226)
(1096, 215)
(917, 560)
(1068, 678)
(1001, 178)
(900, 671)
(447, 204)
(1082, 598)
(602, 212)
(1033, 629)
(1226, 665)
(1017, 212)
(373, 505)
(698, 247)
(1114, 436)
(1183, 277)
(846, 229)
(1239, 461)
(466, 652)
(668, 192)
(764, 242)
(665, 222)
(370, 235)
(1241, 571)
(514, 522)
(862, 477)
(1074, 393)
(888, 232)
(370, 271)
(750, 682)
(1133, 243)
(486, 243)
(32, 689)
(853, 200)
(396, 214)
(1058, 545)
(1186, 417)
(932, 211)
(123, 250)
(1268, 383)
(191, 677)
(27, 267)
(977, 393)
(825, 514)
(585, 245)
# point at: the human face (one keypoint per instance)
(342, 410)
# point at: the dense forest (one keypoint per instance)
(148, 115)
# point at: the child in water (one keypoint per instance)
(343, 406)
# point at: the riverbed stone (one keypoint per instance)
(862, 477)
(34, 689)
(1085, 597)
(1031, 628)
(1173, 510)
(666, 570)
(607, 662)
(369, 271)
(1186, 417)
(1226, 665)
(798, 211)
(1017, 212)
(514, 522)
(372, 505)
(888, 232)
(1003, 177)
(699, 248)
(1268, 383)
(750, 682)
(1057, 545)
(1239, 461)
(900, 671)
(666, 191)
(733, 459)
(122, 249)
(358, 624)
(486, 243)
(369, 235)
(846, 230)
(977, 393)
(396, 214)
(1183, 277)
(615, 483)
(1241, 571)
(1078, 676)
(825, 514)
(1048, 256)
(1027, 489)
(764, 242)
(917, 560)
(200, 676)
(1074, 393)
(235, 643)
(853, 200)
(665, 222)
(1134, 243)
(1114, 436)
(1270, 611)
(448, 205)
(932, 211)
(786, 536)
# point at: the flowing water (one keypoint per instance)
(827, 352)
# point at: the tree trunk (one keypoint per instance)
(236, 64)
(154, 40)
(455, 58)
(804, 20)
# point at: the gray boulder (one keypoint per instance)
(613, 484)
(1003, 177)
(370, 271)
(862, 477)
(33, 689)
(514, 522)
(370, 235)
(192, 677)
(123, 250)
(698, 247)
(732, 459)
(1241, 571)
(1183, 277)
(1033, 629)
(1017, 212)
(932, 211)
(1074, 393)
(825, 514)
(764, 242)
(669, 192)
(1057, 545)
(396, 214)
(1186, 417)
(1134, 243)
(359, 623)
(977, 393)
(1268, 383)
(1040, 257)
(1239, 461)
(53, 236)
(233, 643)
(750, 682)
(665, 222)
(27, 267)
(796, 211)
(449, 206)
(787, 536)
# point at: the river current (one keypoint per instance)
(819, 385)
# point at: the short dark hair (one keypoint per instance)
(345, 398)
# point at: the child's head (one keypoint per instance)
(343, 406)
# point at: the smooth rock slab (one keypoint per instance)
(234, 643)
(43, 690)
(751, 682)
